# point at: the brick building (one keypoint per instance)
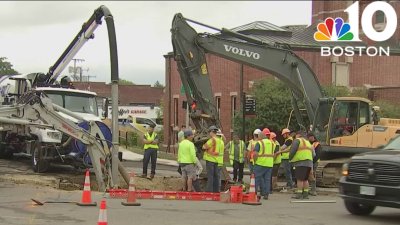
(354, 71)
(129, 95)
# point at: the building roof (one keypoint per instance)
(297, 36)
(128, 94)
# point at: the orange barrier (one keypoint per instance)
(166, 195)
(236, 194)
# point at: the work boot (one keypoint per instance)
(305, 195)
(265, 197)
(313, 190)
(298, 195)
(143, 176)
(151, 176)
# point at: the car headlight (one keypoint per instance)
(345, 169)
(54, 135)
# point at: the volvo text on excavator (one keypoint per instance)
(343, 125)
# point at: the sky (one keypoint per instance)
(34, 34)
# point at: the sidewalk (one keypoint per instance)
(132, 156)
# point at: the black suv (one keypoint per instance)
(372, 179)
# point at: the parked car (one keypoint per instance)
(372, 179)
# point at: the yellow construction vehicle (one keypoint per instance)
(343, 125)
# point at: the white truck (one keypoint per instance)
(51, 121)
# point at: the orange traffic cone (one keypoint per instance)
(86, 195)
(252, 200)
(131, 200)
(103, 213)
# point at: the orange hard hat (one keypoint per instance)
(266, 131)
(285, 131)
(273, 135)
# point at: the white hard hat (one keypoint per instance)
(257, 131)
(376, 108)
(219, 132)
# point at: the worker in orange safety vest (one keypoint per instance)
(250, 149)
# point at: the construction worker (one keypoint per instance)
(181, 137)
(317, 149)
(213, 155)
(187, 160)
(301, 155)
(277, 162)
(250, 149)
(264, 161)
(285, 158)
(150, 141)
(236, 157)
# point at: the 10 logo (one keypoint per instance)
(337, 30)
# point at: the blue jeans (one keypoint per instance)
(150, 154)
(213, 177)
(263, 179)
(288, 172)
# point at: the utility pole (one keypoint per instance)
(75, 72)
(243, 100)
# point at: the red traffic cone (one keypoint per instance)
(252, 200)
(86, 195)
(103, 213)
(131, 200)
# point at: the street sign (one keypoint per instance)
(250, 106)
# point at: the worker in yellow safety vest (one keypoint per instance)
(187, 160)
(235, 149)
(264, 161)
(250, 149)
(277, 162)
(150, 141)
(301, 155)
(317, 149)
(284, 151)
(213, 155)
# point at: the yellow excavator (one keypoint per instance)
(344, 125)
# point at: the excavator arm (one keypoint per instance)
(190, 48)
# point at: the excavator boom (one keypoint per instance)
(190, 48)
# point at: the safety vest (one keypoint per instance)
(266, 154)
(232, 151)
(315, 145)
(215, 152)
(286, 154)
(250, 156)
(278, 158)
(185, 154)
(150, 138)
(304, 152)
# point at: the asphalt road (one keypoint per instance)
(17, 208)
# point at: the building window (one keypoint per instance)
(218, 101)
(233, 107)
(380, 17)
(176, 108)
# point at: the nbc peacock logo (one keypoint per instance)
(333, 30)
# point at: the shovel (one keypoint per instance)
(42, 203)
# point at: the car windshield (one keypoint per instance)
(75, 102)
(394, 144)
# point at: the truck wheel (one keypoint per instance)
(358, 208)
(39, 164)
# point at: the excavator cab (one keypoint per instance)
(338, 121)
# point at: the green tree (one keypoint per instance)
(273, 100)
(6, 68)
(157, 84)
(125, 82)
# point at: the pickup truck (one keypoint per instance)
(372, 179)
